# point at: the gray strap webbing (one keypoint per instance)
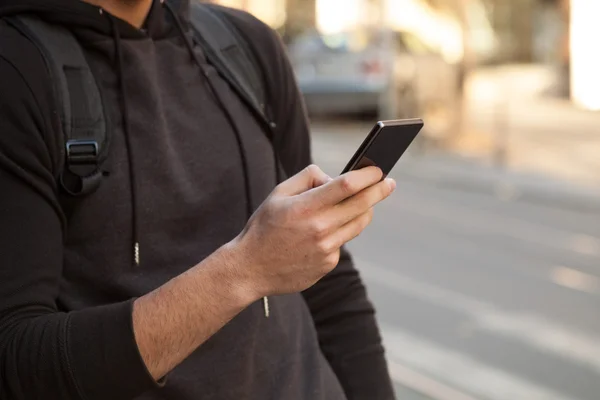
(228, 52)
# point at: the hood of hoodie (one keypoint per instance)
(79, 15)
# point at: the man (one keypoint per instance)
(157, 285)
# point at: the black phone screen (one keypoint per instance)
(385, 145)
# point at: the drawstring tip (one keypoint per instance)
(136, 253)
(266, 305)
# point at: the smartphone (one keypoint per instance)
(385, 144)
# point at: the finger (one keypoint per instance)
(358, 204)
(309, 178)
(321, 180)
(350, 230)
(345, 186)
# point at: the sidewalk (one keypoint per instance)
(456, 172)
(508, 113)
(335, 141)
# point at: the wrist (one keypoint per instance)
(243, 284)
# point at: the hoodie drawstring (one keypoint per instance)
(127, 133)
(118, 54)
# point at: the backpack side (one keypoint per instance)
(85, 130)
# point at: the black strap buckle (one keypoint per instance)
(82, 152)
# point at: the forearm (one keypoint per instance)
(175, 319)
(86, 353)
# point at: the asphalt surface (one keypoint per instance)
(478, 298)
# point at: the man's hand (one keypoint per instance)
(290, 242)
(294, 238)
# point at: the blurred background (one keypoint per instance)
(485, 264)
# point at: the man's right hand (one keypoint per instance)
(294, 237)
(291, 242)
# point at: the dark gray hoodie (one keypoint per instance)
(180, 180)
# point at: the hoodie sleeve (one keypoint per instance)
(342, 312)
(44, 353)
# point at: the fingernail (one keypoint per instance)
(392, 183)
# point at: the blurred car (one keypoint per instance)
(390, 73)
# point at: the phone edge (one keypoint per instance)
(401, 122)
(377, 128)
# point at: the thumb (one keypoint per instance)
(309, 178)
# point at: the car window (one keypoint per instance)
(351, 42)
(307, 44)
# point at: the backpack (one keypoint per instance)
(85, 131)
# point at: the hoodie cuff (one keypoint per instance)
(103, 356)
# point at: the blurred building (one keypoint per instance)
(272, 12)
(288, 17)
(584, 55)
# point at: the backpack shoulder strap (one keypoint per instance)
(229, 52)
(79, 103)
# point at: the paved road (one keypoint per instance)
(479, 298)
